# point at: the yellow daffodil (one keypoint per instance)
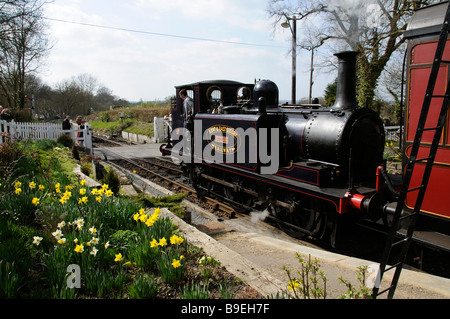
(118, 257)
(162, 242)
(136, 216)
(18, 191)
(94, 191)
(153, 243)
(83, 200)
(158, 211)
(35, 201)
(82, 191)
(176, 240)
(143, 218)
(176, 263)
(150, 221)
(79, 249)
(82, 182)
(17, 184)
(293, 284)
(32, 185)
(109, 193)
(98, 199)
(41, 187)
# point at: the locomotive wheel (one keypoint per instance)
(306, 213)
(201, 186)
(238, 196)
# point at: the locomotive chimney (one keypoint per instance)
(346, 85)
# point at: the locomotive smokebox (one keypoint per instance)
(346, 84)
(345, 135)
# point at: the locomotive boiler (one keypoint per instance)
(304, 164)
(346, 137)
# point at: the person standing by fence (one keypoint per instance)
(66, 125)
(80, 127)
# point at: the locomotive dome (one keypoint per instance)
(268, 90)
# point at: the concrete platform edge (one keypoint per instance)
(430, 282)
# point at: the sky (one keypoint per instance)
(172, 46)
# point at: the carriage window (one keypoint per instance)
(214, 95)
(244, 93)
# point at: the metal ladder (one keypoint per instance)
(413, 216)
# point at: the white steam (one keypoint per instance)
(259, 216)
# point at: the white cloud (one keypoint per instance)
(135, 65)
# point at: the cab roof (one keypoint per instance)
(427, 20)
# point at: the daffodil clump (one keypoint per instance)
(50, 220)
(158, 248)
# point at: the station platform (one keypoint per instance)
(254, 255)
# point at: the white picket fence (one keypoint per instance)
(18, 131)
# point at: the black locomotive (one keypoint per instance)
(304, 164)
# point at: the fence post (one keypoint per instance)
(87, 135)
(12, 130)
(3, 131)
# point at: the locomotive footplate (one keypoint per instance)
(263, 185)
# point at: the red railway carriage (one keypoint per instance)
(423, 35)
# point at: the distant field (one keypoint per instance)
(134, 119)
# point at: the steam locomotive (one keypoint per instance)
(304, 163)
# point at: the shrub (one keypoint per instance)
(112, 181)
(65, 140)
(10, 151)
(311, 282)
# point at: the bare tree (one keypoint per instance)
(71, 98)
(374, 28)
(23, 45)
(81, 95)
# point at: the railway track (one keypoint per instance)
(167, 174)
(105, 142)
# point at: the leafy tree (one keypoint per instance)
(374, 28)
(330, 93)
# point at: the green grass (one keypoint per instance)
(122, 246)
